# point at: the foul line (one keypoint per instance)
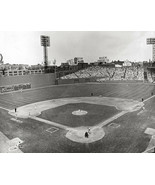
(111, 119)
(72, 128)
(5, 109)
(149, 149)
(50, 122)
(149, 98)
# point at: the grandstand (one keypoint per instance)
(109, 73)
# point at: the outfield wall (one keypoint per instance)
(85, 80)
(36, 80)
(77, 80)
(41, 80)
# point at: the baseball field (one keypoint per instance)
(118, 117)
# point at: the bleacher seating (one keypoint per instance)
(109, 73)
(149, 77)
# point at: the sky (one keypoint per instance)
(25, 47)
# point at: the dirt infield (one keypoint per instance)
(35, 109)
(78, 134)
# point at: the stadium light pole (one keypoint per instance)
(54, 63)
(45, 42)
(45, 57)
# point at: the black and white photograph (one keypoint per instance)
(77, 92)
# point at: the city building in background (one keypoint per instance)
(127, 63)
(78, 60)
(103, 60)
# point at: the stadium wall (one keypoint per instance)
(77, 80)
(36, 80)
(85, 80)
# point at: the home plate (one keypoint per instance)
(78, 134)
(150, 131)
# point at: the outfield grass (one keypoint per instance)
(128, 91)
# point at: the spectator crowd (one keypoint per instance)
(109, 73)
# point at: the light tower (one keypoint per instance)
(45, 42)
(152, 42)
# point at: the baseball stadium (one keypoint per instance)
(98, 109)
(38, 116)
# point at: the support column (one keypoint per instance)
(45, 57)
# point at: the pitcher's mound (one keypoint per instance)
(78, 134)
(79, 112)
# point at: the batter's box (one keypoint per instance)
(52, 130)
(113, 125)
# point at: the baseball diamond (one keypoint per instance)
(40, 109)
(71, 98)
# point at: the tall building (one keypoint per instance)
(70, 62)
(78, 60)
(75, 61)
(127, 63)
